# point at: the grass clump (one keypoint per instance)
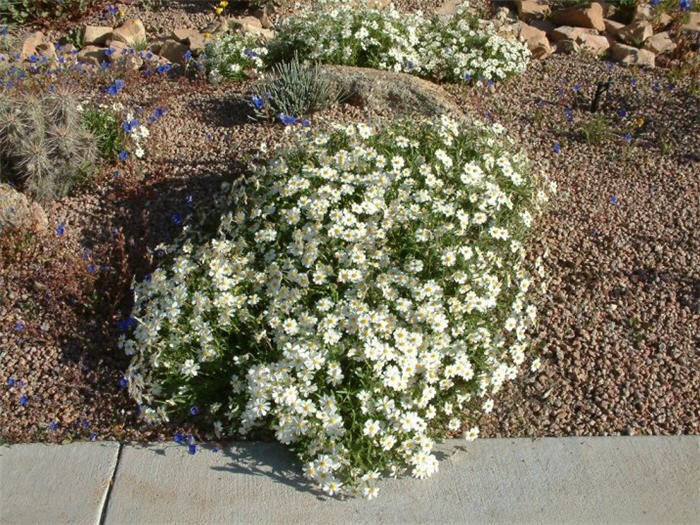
(44, 146)
(293, 89)
(367, 291)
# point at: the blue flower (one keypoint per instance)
(287, 119)
(622, 113)
(119, 83)
(567, 112)
(577, 87)
(194, 410)
(179, 438)
(163, 68)
(628, 137)
(557, 147)
(91, 268)
(214, 450)
(190, 439)
(613, 199)
(188, 55)
(685, 5)
(123, 155)
(192, 449)
(189, 201)
(177, 218)
(86, 424)
(93, 436)
(19, 326)
(123, 382)
(159, 112)
(113, 89)
(4, 31)
(259, 103)
(11, 382)
(23, 400)
(53, 425)
(305, 123)
(633, 81)
(109, 52)
(20, 383)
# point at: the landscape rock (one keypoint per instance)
(96, 35)
(190, 37)
(48, 50)
(132, 33)
(594, 44)
(447, 10)
(693, 23)
(570, 33)
(629, 55)
(218, 26)
(567, 47)
(252, 26)
(532, 9)
(542, 25)
(92, 55)
(664, 20)
(660, 43)
(128, 63)
(636, 33)
(261, 14)
(612, 27)
(536, 40)
(383, 90)
(30, 44)
(591, 16)
(173, 51)
(117, 48)
(644, 12)
(19, 213)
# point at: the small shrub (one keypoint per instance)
(234, 55)
(293, 89)
(367, 292)
(595, 129)
(105, 127)
(27, 11)
(44, 146)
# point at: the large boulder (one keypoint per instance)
(612, 27)
(19, 213)
(631, 56)
(386, 90)
(591, 16)
(92, 55)
(132, 33)
(536, 40)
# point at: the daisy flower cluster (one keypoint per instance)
(388, 39)
(234, 55)
(367, 292)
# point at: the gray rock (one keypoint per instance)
(382, 90)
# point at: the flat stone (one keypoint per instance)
(631, 56)
(381, 90)
(591, 16)
(612, 27)
(55, 483)
(594, 44)
(570, 33)
(96, 35)
(660, 43)
(639, 479)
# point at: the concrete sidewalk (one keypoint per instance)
(563, 480)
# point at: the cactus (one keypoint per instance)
(44, 147)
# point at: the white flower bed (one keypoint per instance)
(343, 33)
(367, 293)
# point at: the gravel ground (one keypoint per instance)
(619, 323)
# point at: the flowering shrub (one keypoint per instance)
(388, 39)
(367, 293)
(235, 55)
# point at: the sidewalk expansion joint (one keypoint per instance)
(108, 493)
